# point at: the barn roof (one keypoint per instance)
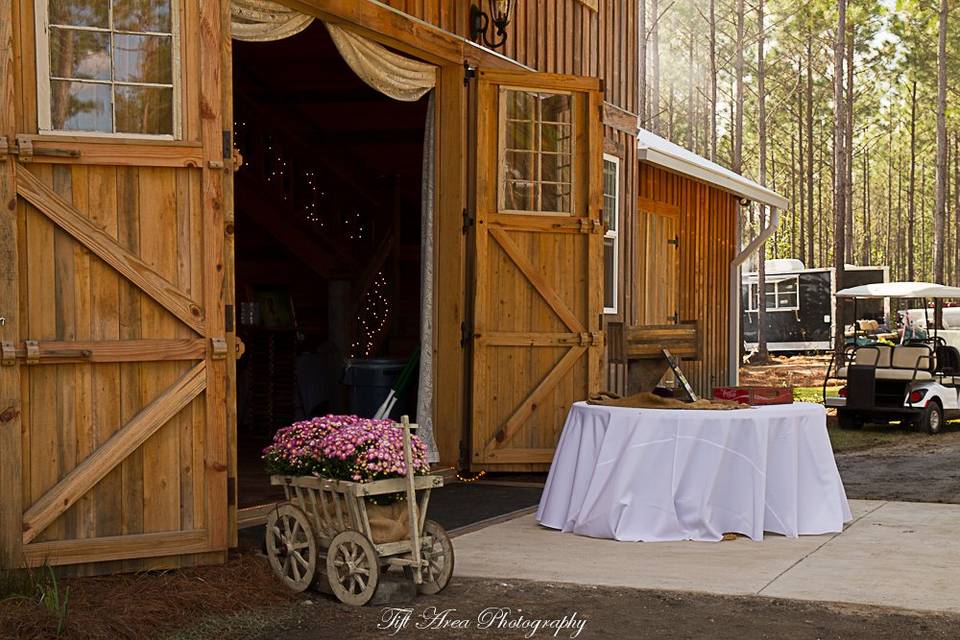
(659, 151)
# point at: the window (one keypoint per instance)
(783, 295)
(107, 66)
(611, 236)
(536, 142)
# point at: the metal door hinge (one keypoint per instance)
(589, 225)
(675, 241)
(466, 335)
(219, 348)
(228, 318)
(675, 318)
(227, 145)
(468, 221)
(8, 354)
(591, 338)
(33, 351)
(468, 73)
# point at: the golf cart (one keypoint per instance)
(916, 381)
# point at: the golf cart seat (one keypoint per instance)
(948, 360)
(902, 362)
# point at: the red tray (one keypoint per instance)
(755, 395)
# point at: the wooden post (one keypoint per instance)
(412, 502)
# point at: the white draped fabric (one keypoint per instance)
(263, 21)
(425, 393)
(657, 475)
(390, 73)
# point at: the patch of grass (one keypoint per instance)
(37, 587)
(867, 437)
(813, 394)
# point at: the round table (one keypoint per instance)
(678, 474)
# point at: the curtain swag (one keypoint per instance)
(263, 21)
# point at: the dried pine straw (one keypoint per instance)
(150, 604)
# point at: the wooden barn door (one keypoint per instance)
(538, 262)
(659, 271)
(113, 402)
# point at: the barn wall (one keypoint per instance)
(707, 231)
(558, 36)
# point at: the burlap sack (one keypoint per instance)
(647, 400)
(390, 523)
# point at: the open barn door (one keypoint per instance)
(538, 263)
(113, 404)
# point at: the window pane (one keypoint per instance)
(555, 168)
(520, 105)
(610, 195)
(79, 54)
(80, 106)
(80, 13)
(144, 110)
(555, 198)
(555, 107)
(555, 137)
(609, 272)
(520, 165)
(520, 135)
(788, 285)
(142, 59)
(518, 196)
(142, 15)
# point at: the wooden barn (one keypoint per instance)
(208, 207)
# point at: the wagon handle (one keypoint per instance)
(412, 501)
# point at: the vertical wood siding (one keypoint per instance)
(707, 229)
(557, 36)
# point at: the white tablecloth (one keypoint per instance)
(661, 474)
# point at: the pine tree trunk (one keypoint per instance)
(762, 354)
(655, 66)
(865, 258)
(691, 113)
(713, 80)
(911, 188)
(940, 205)
(848, 150)
(644, 91)
(809, 105)
(889, 230)
(801, 200)
(737, 157)
(839, 161)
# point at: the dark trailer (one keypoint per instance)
(801, 310)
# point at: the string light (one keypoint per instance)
(461, 476)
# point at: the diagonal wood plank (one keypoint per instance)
(67, 217)
(537, 280)
(124, 442)
(528, 406)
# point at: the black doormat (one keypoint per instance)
(454, 506)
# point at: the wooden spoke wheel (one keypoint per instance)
(353, 568)
(292, 547)
(438, 552)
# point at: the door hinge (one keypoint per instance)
(468, 221)
(219, 348)
(468, 73)
(466, 335)
(228, 318)
(227, 145)
(675, 241)
(675, 318)
(32, 348)
(8, 354)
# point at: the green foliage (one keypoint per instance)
(39, 586)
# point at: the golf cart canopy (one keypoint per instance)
(900, 290)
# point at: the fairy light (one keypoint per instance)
(374, 317)
(462, 477)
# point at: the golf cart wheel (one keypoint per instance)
(437, 550)
(848, 422)
(931, 420)
(353, 568)
(291, 547)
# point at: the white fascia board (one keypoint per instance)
(704, 173)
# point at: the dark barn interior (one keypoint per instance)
(328, 209)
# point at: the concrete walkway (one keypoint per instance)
(892, 554)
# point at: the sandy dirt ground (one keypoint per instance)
(609, 613)
(922, 469)
(794, 371)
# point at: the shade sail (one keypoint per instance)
(900, 290)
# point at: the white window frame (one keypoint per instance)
(42, 17)
(753, 297)
(615, 234)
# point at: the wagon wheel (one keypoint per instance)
(438, 553)
(353, 568)
(291, 547)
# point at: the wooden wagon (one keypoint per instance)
(323, 533)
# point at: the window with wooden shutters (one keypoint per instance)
(611, 234)
(536, 152)
(108, 67)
